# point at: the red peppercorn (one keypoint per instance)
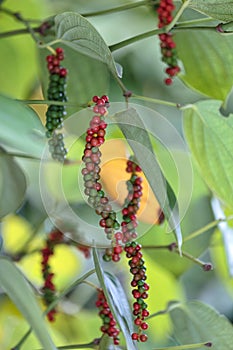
(135, 336)
(167, 43)
(108, 326)
(143, 337)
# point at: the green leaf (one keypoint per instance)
(12, 184)
(196, 322)
(136, 135)
(117, 301)
(77, 32)
(207, 60)
(14, 284)
(21, 128)
(210, 138)
(219, 9)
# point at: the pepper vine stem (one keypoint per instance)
(17, 16)
(22, 340)
(18, 32)
(90, 345)
(177, 15)
(124, 7)
(187, 346)
(51, 102)
(21, 19)
(173, 248)
(154, 100)
(204, 229)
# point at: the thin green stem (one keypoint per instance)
(50, 102)
(90, 284)
(186, 25)
(153, 32)
(51, 43)
(23, 339)
(21, 19)
(173, 248)
(154, 100)
(18, 32)
(196, 28)
(135, 39)
(90, 345)
(193, 22)
(158, 313)
(191, 258)
(184, 347)
(120, 83)
(203, 229)
(69, 289)
(177, 15)
(16, 15)
(124, 7)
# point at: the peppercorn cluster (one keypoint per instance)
(167, 44)
(57, 146)
(95, 137)
(55, 113)
(109, 324)
(138, 270)
(129, 219)
(48, 289)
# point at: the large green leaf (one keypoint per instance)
(207, 59)
(14, 284)
(196, 322)
(117, 301)
(136, 135)
(21, 128)
(77, 32)
(210, 138)
(219, 9)
(12, 184)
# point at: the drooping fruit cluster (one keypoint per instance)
(132, 202)
(109, 324)
(57, 147)
(95, 137)
(129, 219)
(138, 270)
(48, 289)
(55, 113)
(167, 44)
(54, 238)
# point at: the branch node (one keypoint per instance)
(207, 267)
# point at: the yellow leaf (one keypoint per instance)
(15, 233)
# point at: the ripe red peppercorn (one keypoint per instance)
(167, 44)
